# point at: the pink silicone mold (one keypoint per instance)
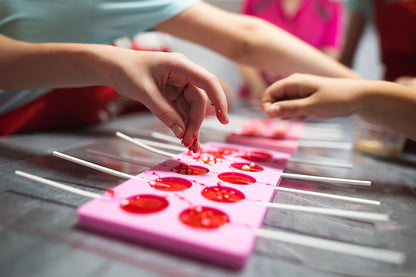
(198, 215)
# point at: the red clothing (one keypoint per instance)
(69, 107)
(59, 108)
(396, 23)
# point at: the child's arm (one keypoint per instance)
(381, 102)
(167, 83)
(251, 41)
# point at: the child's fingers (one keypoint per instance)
(209, 83)
(197, 101)
(164, 110)
(289, 108)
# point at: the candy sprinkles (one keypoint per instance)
(212, 211)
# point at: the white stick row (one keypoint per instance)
(162, 145)
(377, 254)
(323, 244)
(96, 166)
(365, 216)
(145, 146)
(290, 190)
(324, 179)
(284, 175)
(331, 196)
(124, 159)
(321, 162)
(325, 162)
(164, 137)
(57, 185)
(323, 211)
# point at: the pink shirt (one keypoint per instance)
(318, 22)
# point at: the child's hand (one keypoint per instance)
(175, 89)
(302, 95)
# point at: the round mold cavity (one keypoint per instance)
(204, 217)
(222, 194)
(171, 184)
(186, 169)
(257, 156)
(236, 178)
(226, 151)
(250, 167)
(144, 204)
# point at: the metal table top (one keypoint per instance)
(39, 235)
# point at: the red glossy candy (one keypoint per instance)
(257, 156)
(227, 151)
(222, 194)
(251, 167)
(204, 217)
(171, 184)
(236, 178)
(144, 204)
(110, 192)
(186, 169)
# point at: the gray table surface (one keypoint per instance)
(39, 235)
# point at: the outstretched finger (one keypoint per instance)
(165, 111)
(293, 87)
(197, 101)
(208, 82)
(298, 108)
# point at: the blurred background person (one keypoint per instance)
(320, 23)
(395, 24)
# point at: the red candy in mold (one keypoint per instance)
(251, 167)
(110, 192)
(204, 217)
(257, 156)
(227, 151)
(236, 178)
(144, 204)
(222, 194)
(186, 169)
(171, 184)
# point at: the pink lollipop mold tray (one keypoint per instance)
(271, 134)
(211, 216)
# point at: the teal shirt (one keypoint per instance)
(78, 21)
(362, 6)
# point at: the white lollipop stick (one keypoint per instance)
(326, 195)
(334, 163)
(164, 137)
(57, 185)
(162, 145)
(373, 253)
(120, 158)
(147, 147)
(324, 179)
(365, 216)
(97, 167)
